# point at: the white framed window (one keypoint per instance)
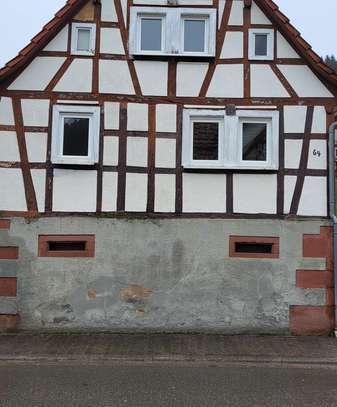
(261, 44)
(83, 39)
(213, 140)
(172, 31)
(75, 135)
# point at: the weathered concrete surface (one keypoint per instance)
(172, 275)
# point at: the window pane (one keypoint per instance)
(75, 136)
(254, 141)
(151, 34)
(83, 39)
(205, 141)
(194, 31)
(261, 44)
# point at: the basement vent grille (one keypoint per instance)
(254, 247)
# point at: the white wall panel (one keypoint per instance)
(292, 153)
(233, 45)
(39, 182)
(36, 147)
(108, 11)
(136, 192)
(294, 119)
(110, 153)
(165, 153)
(313, 200)
(114, 77)
(74, 191)
(257, 15)
(227, 81)
(11, 181)
(77, 78)
(138, 117)
(236, 17)
(60, 42)
(305, 83)
(165, 193)
(319, 124)
(190, 77)
(38, 74)
(284, 49)
(111, 41)
(6, 111)
(9, 150)
(111, 116)
(166, 118)
(152, 77)
(136, 152)
(254, 193)
(109, 191)
(264, 83)
(221, 8)
(35, 112)
(204, 193)
(289, 188)
(317, 159)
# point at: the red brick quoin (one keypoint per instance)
(315, 320)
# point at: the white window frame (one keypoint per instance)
(74, 38)
(230, 139)
(270, 44)
(59, 113)
(172, 30)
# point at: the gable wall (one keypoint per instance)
(141, 103)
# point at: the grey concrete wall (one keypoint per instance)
(160, 275)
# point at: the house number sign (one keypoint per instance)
(316, 153)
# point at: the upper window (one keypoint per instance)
(261, 44)
(172, 31)
(75, 135)
(83, 38)
(248, 140)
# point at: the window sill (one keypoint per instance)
(229, 170)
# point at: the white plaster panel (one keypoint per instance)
(108, 11)
(313, 200)
(59, 42)
(257, 15)
(204, 193)
(136, 192)
(6, 111)
(294, 119)
(77, 78)
(319, 120)
(254, 193)
(264, 83)
(114, 77)
(74, 190)
(284, 49)
(39, 182)
(11, 181)
(124, 5)
(317, 159)
(35, 112)
(305, 83)
(292, 153)
(221, 8)
(9, 150)
(109, 191)
(36, 147)
(110, 152)
(137, 151)
(38, 74)
(236, 17)
(111, 41)
(165, 193)
(190, 77)
(227, 81)
(166, 118)
(195, 2)
(137, 117)
(165, 153)
(151, 2)
(152, 76)
(233, 45)
(289, 188)
(111, 116)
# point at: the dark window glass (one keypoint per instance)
(253, 247)
(254, 141)
(261, 45)
(194, 35)
(150, 34)
(76, 136)
(205, 141)
(66, 246)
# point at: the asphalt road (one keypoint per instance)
(160, 385)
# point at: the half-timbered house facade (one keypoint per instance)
(164, 166)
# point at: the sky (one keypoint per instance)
(22, 19)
